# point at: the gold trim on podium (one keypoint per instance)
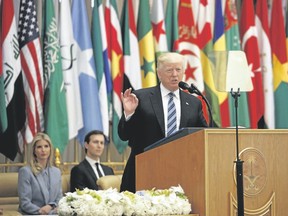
(268, 209)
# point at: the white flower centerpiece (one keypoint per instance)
(91, 203)
(109, 202)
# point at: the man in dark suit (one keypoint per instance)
(86, 173)
(145, 116)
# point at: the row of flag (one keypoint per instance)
(67, 77)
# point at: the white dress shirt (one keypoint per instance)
(165, 98)
(93, 165)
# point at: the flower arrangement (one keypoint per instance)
(109, 202)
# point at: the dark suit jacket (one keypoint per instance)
(146, 125)
(82, 176)
(33, 194)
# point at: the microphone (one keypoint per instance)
(194, 90)
(185, 86)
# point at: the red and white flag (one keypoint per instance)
(188, 44)
(261, 21)
(249, 40)
(158, 27)
(31, 63)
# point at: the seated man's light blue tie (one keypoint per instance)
(171, 115)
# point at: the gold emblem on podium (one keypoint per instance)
(254, 171)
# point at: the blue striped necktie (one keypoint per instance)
(171, 115)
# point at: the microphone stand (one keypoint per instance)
(238, 162)
(196, 91)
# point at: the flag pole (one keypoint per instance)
(238, 162)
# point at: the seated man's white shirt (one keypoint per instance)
(93, 165)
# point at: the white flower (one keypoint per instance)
(111, 203)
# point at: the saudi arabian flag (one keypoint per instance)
(56, 121)
(145, 40)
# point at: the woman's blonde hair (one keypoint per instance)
(35, 166)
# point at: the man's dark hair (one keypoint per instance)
(93, 132)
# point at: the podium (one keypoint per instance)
(203, 164)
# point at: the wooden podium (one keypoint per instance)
(203, 164)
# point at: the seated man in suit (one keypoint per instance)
(86, 173)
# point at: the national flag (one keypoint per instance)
(261, 21)
(3, 114)
(204, 23)
(171, 25)
(56, 121)
(132, 69)
(189, 47)
(99, 52)
(219, 44)
(280, 66)
(86, 69)
(205, 43)
(117, 68)
(286, 28)
(107, 70)
(250, 46)
(69, 68)
(13, 84)
(107, 57)
(158, 27)
(145, 39)
(233, 43)
(31, 62)
(188, 44)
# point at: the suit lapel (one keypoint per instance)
(89, 170)
(157, 104)
(185, 109)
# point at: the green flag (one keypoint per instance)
(171, 25)
(56, 121)
(233, 43)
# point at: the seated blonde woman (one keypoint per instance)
(39, 184)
